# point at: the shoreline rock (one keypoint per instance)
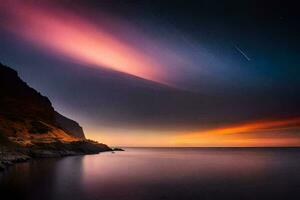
(9, 158)
(12, 155)
(117, 149)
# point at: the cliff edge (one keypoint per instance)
(30, 126)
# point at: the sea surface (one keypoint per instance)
(159, 173)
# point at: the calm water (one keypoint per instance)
(159, 173)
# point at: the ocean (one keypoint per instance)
(159, 173)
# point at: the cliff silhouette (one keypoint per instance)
(30, 126)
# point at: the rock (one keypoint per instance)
(31, 128)
(22, 158)
(19, 101)
(2, 166)
(40, 153)
(69, 153)
(26, 114)
(69, 126)
(7, 162)
(117, 149)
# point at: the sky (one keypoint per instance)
(151, 73)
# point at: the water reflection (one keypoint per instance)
(160, 173)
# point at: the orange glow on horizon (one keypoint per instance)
(247, 134)
(263, 133)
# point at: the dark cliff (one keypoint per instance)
(30, 126)
(19, 100)
(21, 103)
(69, 126)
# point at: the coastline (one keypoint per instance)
(11, 155)
(31, 128)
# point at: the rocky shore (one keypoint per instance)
(8, 158)
(11, 155)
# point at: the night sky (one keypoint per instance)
(147, 73)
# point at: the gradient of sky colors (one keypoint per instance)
(146, 73)
(77, 39)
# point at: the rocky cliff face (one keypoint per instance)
(69, 126)
(27, 115)
(18, 100)
(29, 123)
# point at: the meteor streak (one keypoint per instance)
(242, 52)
